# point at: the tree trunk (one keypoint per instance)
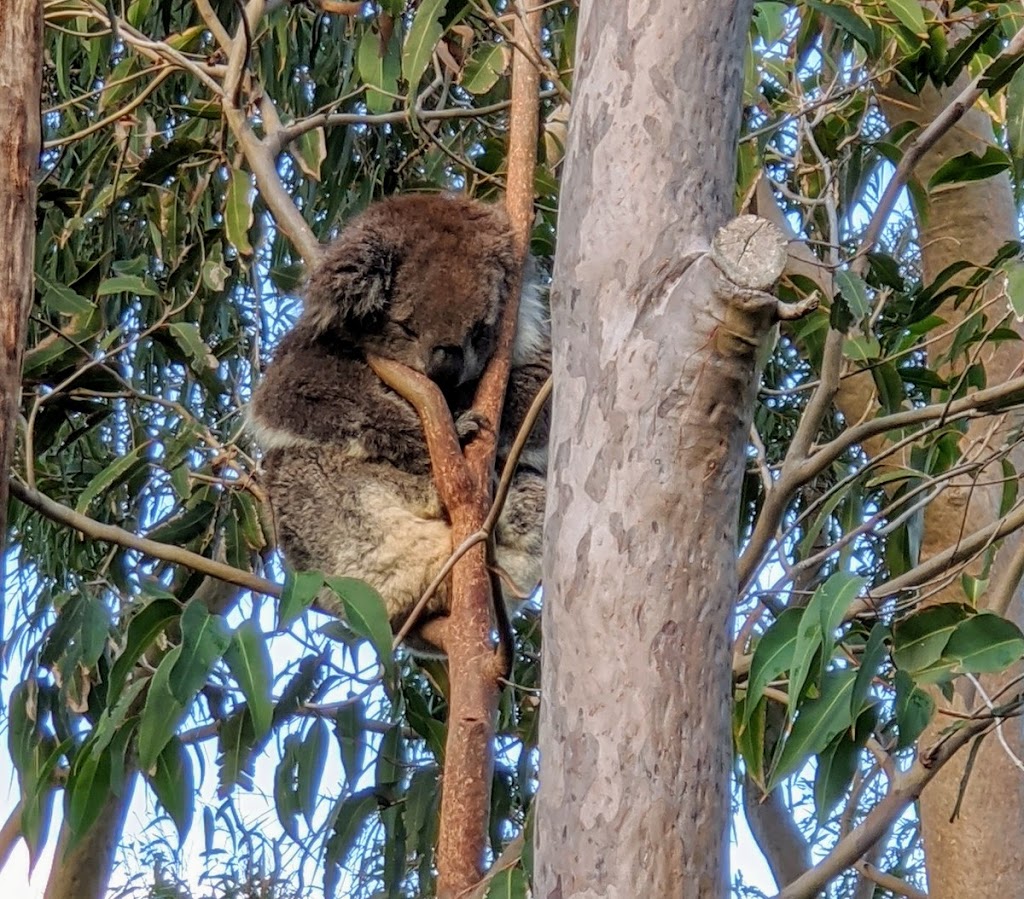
(651, 412)
(84, 872)
(21, 39)
(971, 856)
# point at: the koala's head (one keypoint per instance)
(420, 279)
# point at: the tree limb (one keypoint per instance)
(55, 511)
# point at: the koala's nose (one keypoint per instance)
(446, 365)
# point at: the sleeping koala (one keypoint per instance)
(422, 280)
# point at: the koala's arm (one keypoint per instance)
(313, 394)
(524, 383)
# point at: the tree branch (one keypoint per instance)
(120, 537)
(9, 834)
(906, 788)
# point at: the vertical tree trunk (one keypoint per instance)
(21, 48)
(650, 423)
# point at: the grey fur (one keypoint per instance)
(422, 280)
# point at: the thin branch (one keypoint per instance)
(166, 552)
(115, 116)
(888, 882)
(294, 130)
(924, 141)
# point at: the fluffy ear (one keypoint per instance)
(352, 283)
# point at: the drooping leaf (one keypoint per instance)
(173, 782)
(249, 661)
(772, 655)
(238, 214)
(161, 715)
(425, 32)
(817, 724)
(204, 637)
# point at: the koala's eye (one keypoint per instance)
(407, 331)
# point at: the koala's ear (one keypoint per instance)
(352, 283)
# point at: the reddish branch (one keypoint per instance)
(464, 486)
(21, 38)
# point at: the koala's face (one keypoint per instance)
(419, 279)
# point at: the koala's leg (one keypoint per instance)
(364, 520)
(519, 535)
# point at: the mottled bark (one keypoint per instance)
(21, 38)
(652, 403)
(971, 856)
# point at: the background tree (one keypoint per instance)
(194, 157)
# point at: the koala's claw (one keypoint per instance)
(468, 425)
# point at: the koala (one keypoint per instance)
(422, 280)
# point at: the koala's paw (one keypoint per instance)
(468, 425)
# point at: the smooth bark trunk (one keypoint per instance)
(651, 411)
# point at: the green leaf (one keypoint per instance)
(113, 474)
(817, 627)
(914, 709)
(300, 589)
(390, 762)
(350, 817)
(88, 788)
(187, 336)
(854, 291)
(204, 637)
(772, 655)
(749, 738)
(863, 348)
(833, 774)
(366, 614)
(249, 661)
(286, 797)
(509, 883)
(182, 527)
(970, 167)
(311, 755)
(1014, 271)
(350, 732)
(125, 284)
(64, 300)
(173, 782)
(483, 68)
(849, 21)
(818, 723)
(238, 214)
(1000, 72)
(961, 53)
(910, 15)
(236, 743)
(309, 152)
(984, 643)
(1015, 115)
(379, 71)
(161, 715)
(919, 639)
(870, 661)
(423, 36)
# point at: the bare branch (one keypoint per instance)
(889, 882)
(9, 834)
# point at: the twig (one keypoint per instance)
(9, 834)
(888, 882)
